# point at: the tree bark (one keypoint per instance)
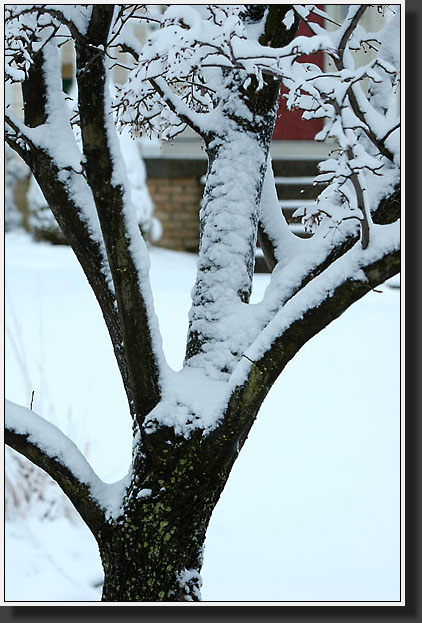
(153, 551)
(157, 557)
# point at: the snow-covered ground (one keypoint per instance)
(311, 510)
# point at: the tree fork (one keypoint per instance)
(246, 400)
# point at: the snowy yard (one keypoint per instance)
(311, 510)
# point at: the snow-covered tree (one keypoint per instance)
(217, 69)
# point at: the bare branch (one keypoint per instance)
(176, 105)
(379, 143)
(347, 34)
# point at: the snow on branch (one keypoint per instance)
(322, 300)
(302, 262)
(364, 125)
(29, 28)
(16, 136)
(126, 249)
(277, 241)
(48, 129)
(179, 107)
(47, 447)
(189, 51)
(50, 146)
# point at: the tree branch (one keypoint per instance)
(379, 143)
(331, 300)
(70, 215)
(48, 448)
(338, 62)
(275, 239)
(262, 364)
(17, 140)
(276, 34)
(318, 260)
(176, 105)
(122, 238)
(354, 20)
(53, 12)
(294, 273)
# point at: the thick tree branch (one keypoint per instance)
(48, 448)
(226, 259)
(122, 237)
(264, 369)
(318, 260)
(295, 273)
(63, 203)
(276, 34)
(329, 307)
(89, 252)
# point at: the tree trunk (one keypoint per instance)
(153, 550)
(157, 559)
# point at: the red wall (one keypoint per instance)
(289, 124)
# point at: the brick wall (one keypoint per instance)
(176, 191)
(21, 200)
(176, 202)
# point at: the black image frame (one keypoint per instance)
(412, 610)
